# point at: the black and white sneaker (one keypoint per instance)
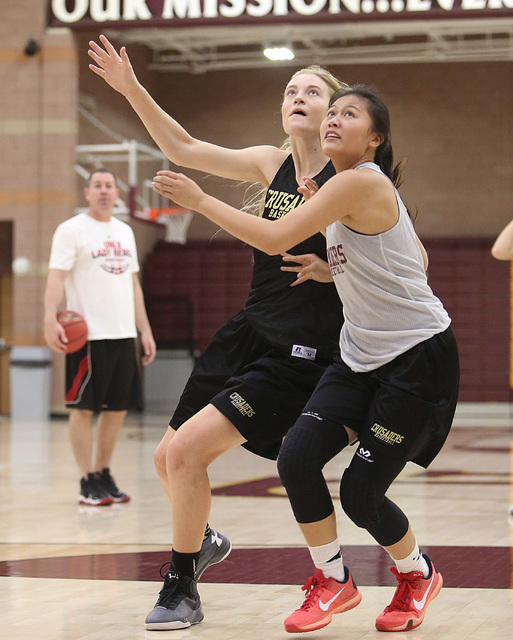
(178, 605)
(92, 493)
(110, 487)
(214, 548)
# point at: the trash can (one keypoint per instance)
(31, 382)
(165, 378)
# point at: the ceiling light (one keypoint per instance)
(279, 53)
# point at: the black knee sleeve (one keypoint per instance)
(364, 501)
(306, 449)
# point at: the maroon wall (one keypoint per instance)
(474, 288)
(214, 275)
(472, 285)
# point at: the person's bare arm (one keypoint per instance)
(273, 237)
(503, 246)
(254, 164)
(54, 333)
(143, 324)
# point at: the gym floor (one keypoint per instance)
(91, 573)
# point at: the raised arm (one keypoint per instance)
(272, 236)
(254, 164)
(503, 247)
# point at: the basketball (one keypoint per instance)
(76, 329)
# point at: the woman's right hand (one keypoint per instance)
(178, 188)
(114, 68)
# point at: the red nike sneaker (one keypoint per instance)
(411, 598)
(324, 597)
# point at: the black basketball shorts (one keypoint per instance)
(402, 410)
(260, 389)
(103, 376)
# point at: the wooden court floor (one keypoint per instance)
(92, 573)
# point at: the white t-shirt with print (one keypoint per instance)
(101, 258)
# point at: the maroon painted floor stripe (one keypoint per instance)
(470, 567)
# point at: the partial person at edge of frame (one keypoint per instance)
(254, 377)
(502, 248)
(103, 285)
(393, 389)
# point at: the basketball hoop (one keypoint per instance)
(176, 220)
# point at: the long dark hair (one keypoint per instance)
(380, 117)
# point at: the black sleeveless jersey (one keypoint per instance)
(308, 315)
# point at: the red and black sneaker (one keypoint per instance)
(324, 597)
(92, 493)
(110, 487)
(411, 598)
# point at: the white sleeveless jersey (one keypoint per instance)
(388, 304)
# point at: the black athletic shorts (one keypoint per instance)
(259, 389)
(404, 409)
(103, 376)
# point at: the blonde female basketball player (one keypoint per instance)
(395, 387)
(255, 376)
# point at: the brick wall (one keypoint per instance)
(38, 135)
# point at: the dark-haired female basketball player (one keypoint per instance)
(395, 386)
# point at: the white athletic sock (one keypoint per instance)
(413, 562)
(328, 558)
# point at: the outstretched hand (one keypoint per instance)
(178, 188)
(114, 68)
(309, 267)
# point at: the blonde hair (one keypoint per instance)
(333, 82)
(255, 202)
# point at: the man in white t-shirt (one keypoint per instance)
(93, 264)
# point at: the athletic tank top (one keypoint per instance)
(304, 320)
(388, 304)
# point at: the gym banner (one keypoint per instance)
(97, 14)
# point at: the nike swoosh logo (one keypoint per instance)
(326, 605)
(419, 604)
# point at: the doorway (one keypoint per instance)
(6, 235)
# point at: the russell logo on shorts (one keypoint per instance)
(300, 351)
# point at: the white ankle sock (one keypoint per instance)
(413, 562)
(328, 558)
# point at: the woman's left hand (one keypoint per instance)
(309, 267)
(178, 188)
